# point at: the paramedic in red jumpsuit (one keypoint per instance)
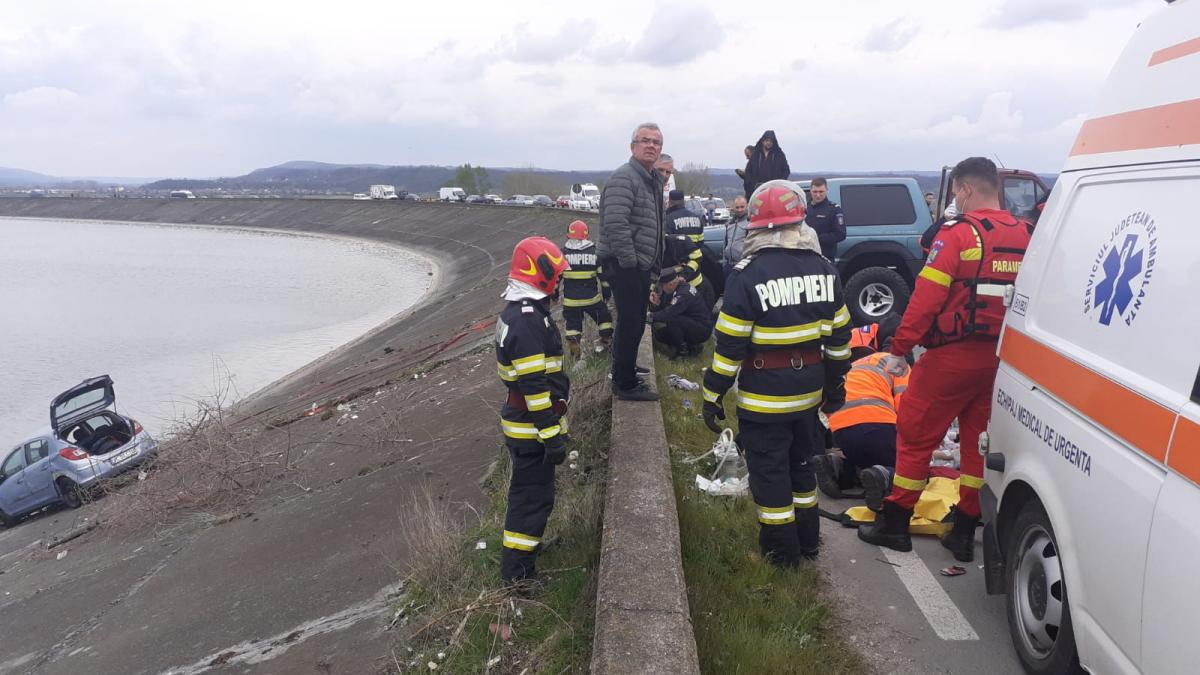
(956, 312)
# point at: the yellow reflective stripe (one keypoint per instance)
(695, 255)
(733, 326)
(936, 276)
(530, 364)
(763, 403)
(554, 364)
(506, 372)
(804, 500)
(579, 275)
(841, 317)
(524, 430)
(786, 335)
(538, 401)
(908, 483)
(568, 302)
(572, 333)
(838, 353)
(710, 396)
(724, 366)
(549, 432)
(521, 542)
(697, 280)
(971, 254)
(970, 481)
(770, 515)
(604, 326)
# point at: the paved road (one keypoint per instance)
(908, 618)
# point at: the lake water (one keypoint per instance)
(177, 313)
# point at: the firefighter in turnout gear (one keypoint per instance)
(784, 325)
(580, 292)
(678, 220)
(529, 357)
(956, 312)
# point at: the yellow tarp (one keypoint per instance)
(935, 502)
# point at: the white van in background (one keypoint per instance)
(452, 194)
(1093, 450)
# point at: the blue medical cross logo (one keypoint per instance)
(1121, 266)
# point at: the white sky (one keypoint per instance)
(138, 88)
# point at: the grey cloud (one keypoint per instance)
(1021, 13)
(527, 47)
(889, 37)
(678, 34)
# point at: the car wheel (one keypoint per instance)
(7, 520)
(875, 292)
(70, 493)
(1039, 614)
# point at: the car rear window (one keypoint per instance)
(77, 403)
(877, 205)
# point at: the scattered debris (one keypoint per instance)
(731, 477)
(953, 571)
(71, 534)
(682, 383)
(504, 630)
(61, 554)
(314, 410)
(573, 455)
(886, 562)
(493, 662)
(480, 545)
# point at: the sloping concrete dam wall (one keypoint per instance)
(472, 244)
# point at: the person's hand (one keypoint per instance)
(896, 366)
(654, 298)
(713, 412)
(556, 449)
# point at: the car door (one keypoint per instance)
(1020, 195)
(14, 495)
(39, 479)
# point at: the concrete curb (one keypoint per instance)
(642, 620)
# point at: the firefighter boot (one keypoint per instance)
(828, 466)
(573, 345)
(890, 528)
(961, 540)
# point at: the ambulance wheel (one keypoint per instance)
(1039, 615)
(875, 292)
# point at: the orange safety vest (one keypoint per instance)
(865, 336)
(872, 394)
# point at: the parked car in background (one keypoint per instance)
(563, 201)
(718, 212)
(452, 194)
(542, 200)
(85, 444)
(478, 199)
(696, 206)
(518, 200)
(361, 196)
(412, 197)
(495, 199)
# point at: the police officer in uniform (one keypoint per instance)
(826, 218)
(681, 318)
(682, 256)
(580, 294)
(785, 327)
(529, 357)
(956, 312)
(680, 221)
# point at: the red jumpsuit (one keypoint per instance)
(970, 262)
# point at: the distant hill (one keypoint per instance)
(22, 178)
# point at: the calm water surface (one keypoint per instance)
(176, 313)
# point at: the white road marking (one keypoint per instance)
(940, 611)
(258, 651)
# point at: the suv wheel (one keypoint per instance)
(70, 493)
(1039, 615)
(875, 292)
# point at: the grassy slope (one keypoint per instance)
(749, 616)
(553, 632)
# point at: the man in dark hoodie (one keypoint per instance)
(767, 162)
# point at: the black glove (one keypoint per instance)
(556, 449)
(712, 413)
(832, 405)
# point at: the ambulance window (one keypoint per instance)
(877, 205)
(1116, 277)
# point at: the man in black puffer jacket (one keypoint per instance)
(630, 251)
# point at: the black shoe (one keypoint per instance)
(961, 540)
(640, 370)
(638, 392)
(877, 484)
(890, 528)
(826, 467)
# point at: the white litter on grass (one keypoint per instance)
(573, 455)
(61, 554)
(142, 475)
(442, 382)
(723, 488)
(573, 465)
(731, 477)
(682, 383)
(480, 545)
(493, 662)
(432, 665)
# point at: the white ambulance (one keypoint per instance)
(1093, 451)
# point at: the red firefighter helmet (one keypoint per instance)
(776, 204)
(577, 230)
(537, 262)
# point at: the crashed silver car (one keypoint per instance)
(86, 443)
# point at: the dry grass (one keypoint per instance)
(432, 534)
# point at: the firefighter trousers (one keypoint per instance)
(530, 501)
(784, 485)
(948, 382)
(573, 317)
